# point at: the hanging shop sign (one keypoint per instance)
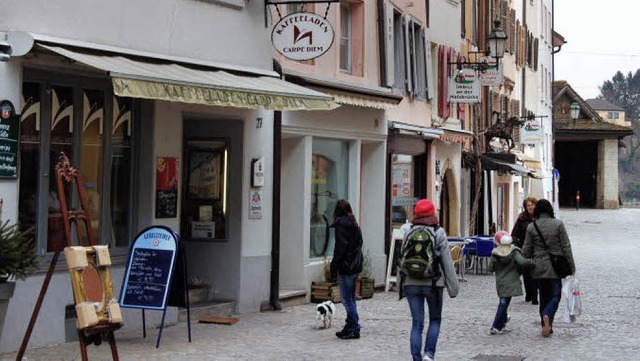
(9, 133)
(493, 75)
(464, 87)
(302, 36)
(531, 132)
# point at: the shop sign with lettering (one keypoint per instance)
(493, 76)
(9, 133)
(464, 87)
(302, 36)
(532, 132)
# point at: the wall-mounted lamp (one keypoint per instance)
(497, 41)
(575, 110)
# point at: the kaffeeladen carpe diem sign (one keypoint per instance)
(302, 36)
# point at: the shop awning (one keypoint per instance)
(361, 100)
(490, 163)
(149, 78)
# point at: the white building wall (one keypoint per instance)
(189, 28)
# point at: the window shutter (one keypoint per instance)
(421, 61)
(536, 43)
(443, 78)
(407, 52)
(512, 32)
(428, 65)
(388, 45)
(460, 106)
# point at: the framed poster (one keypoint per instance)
(204, 174)
(166, 187)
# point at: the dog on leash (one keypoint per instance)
(324, 313)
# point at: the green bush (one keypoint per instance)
(18, 255)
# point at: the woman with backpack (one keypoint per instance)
(420, 284)
(347, 265)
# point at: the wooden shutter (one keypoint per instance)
(536, 44)
(407, 53)
(389, 46)
(429, 65)
(512, 32)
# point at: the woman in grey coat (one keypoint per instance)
(557, 242)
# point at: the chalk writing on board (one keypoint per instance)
(166, 204)
(148, 277)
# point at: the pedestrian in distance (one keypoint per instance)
(506, 261)
(550, 237)
(517, 233)
(346, 265)
(427, 286)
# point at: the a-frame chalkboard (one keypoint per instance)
(150, 268)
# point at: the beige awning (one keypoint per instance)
(362, 100)
(163, 80)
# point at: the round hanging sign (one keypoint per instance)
(302, 36)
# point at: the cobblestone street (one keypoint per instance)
(604, 245)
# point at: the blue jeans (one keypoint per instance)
(550, 292)
(501, 313)
(416, 295)
(348, 299)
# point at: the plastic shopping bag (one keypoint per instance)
(571, 293)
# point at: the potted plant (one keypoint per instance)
(326, 289)
(367, 283)
(18, 260)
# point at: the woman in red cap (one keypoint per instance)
(419, 289)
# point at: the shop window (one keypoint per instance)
(205, 206)
(329, 183)
(94, 129)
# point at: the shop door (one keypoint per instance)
(503, 205)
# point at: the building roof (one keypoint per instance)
(603, 104)
(590, 125)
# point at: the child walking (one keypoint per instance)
(507, 262)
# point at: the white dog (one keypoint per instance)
(324, 313)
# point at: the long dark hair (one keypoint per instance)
(343, 208)
(543, 206)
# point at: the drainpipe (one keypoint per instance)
(524, 68)
(274, 295)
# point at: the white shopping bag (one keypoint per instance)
(571, 293)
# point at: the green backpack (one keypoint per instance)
(420, 257)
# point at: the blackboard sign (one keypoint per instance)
(150, 268)
(9, 137)
(166, 204)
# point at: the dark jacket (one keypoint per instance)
(557, 240)
(506, 262)
(520, 228)
(347, 253)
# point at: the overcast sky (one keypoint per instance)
(602, 38)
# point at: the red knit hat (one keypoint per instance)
(503, 238)
(424, 208)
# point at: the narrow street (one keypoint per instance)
(604, 245)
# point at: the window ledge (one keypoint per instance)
(235, 4)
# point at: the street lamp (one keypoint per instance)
(497, 40)
(575, 110)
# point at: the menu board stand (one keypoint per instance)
(149, 273)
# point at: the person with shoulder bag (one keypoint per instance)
(346, 265)
(518, 233)
(547, 241)
(424, 280)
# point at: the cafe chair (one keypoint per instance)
(457, 256)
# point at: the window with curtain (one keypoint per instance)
(345, 38)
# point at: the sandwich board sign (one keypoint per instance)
(150, 269)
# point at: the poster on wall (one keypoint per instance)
(255, 204)
(166, 187)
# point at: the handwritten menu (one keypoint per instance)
(9, 140)
(150, 268)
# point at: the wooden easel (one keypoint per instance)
(67, 174)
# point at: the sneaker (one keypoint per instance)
(535, 302)
(350, 336)
(508, 319)
(546, 326)
(427, 358)
(495, 331)
(340, 333)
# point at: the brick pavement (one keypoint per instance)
(603, 242)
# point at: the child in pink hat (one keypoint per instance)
(507, 262)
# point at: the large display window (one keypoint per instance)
(329, 183)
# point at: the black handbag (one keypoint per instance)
(560, 263)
